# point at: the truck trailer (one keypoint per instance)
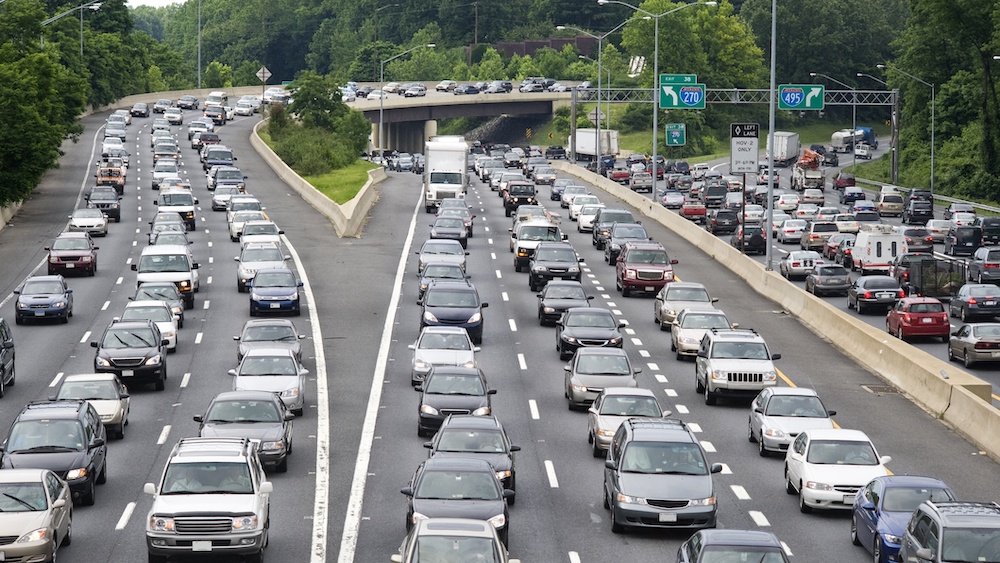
(445, 173)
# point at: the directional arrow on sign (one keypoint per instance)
(669, 92)
(813, 92)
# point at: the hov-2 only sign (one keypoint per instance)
(744, 145)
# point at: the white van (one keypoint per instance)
(876, 246)
(181, 202)
(169, 263)
(217, 98)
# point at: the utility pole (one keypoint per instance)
(475, 37)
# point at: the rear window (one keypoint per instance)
(824, 227)
(892, 199)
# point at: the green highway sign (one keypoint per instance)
(801, 96)
(682, 96)
(676, 134)
(678, 79)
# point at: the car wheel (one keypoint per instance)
(877, 549)
(421, 432)
(3, 387)
(102, 477)
(854, 531)
(87, 499)
(282, 466)
(803, 507)
(161, 383)
(849, 304)
(254, 558)
(710, 398)
(616, 528)
(65, 318)
(761, 450)
(120, 431)
(253, 312)
(789, 488)
(750, 436)
(597, 451)
(899, 333)
(965, 315)
(967, 359)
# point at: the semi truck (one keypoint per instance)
(786, 148)
(586, 143)
(445, 173)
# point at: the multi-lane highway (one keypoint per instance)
(366, 321)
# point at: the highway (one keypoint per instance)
(366, 321)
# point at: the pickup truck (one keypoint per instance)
(620, 173)
(555, 152)
(694, 210)
(641, 182)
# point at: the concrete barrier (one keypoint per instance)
(151, 97)
(348, 219)
(974, 419)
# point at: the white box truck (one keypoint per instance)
(786, 148)
(445, 170)
(586, 142)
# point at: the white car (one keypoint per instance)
(376, 94)
(813, 195)
(222, 195)
(788, 202)
(157, 311)
(570, 193)
(806, 211)
(585, 218)
(798, 263)
(962, 218)
(846, 223)
(92, 221)
(827, 467)
(578, 203)
(827, 213)
(260, 231)
(239, 218)
(777, 218)
(441, 346)
(753, 214)
(244, 109)
(791, 230)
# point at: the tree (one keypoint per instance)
(316, 100)
(217, 75)
(491, 66)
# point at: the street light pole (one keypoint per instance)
(381, 98)
(894, 119)
(199, 44)
(854, 111)
(933, 89)
(656, 70)
(93, 5)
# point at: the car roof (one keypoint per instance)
(443, 330)
(739, 538)
(793, 391)
(452, 527)
(457, 463)
(837, 434)
(21, 475)
(891, 481)
(470, 422)
(146, 303)
(73, 235)
(90, 377)
(41, 410)
(600, 351)
(268, 322)
(136, 323)
(455, 370)
(627, 392)
(165, 249)
(644, 245)
(269, 352)
(245, 396)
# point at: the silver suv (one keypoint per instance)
(212, 497)
(733, 362)
(952, 531)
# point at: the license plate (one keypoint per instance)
(989, 303)
(275, 305)
(848, 499)
(926, 320)
(995, 354)
(70, 266)
(649, 288)
(39, 313)
(883, 295)
(968, 244)
(3, 556)
(128, 372)
(668, 517)
(201, 546)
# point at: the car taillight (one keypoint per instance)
(901, 294)
(796, 264)
(906, 275)
(929, 239)
(972, 301)
(847, 251)
(906, 319)
(985, 345)
(868, 295)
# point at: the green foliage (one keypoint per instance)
(246, 74)
(490, 66)
(217, 75)
(154, 79)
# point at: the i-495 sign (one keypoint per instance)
(801, 96)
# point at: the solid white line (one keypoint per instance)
(163, 435)
(708, 446)
(681, 409)
(740, 492)
(205, 306)
(533, 407)
(86, 337)
(550, 470)
(660, 378)
(574, 557)
(513, 325)
(56, 379)
(521, 362)
(504, 296)
(694, 426)
(126, 514)
(185, 380)
(499, 275)
(105, 306)
(198, 337)
(352, 520)
(759, 518)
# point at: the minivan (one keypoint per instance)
(964, 239)
(217, 98)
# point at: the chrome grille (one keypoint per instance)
(849, 489)
(745, 377)
(649, 274)
(203, 525)
(664, 503)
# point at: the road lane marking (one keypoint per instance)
(163, 435)
(788, 550)
(210, 244)
(211, 259)
(56, 379)
(135, 243)
(206, 304)
(493, 255)
(504, 296)
(185, 380)
(644, 353)
(499, 275)
(521, 362)
(787, 381)
(209, 280)
(694, 426)
(105, 306)
(612, 304)
(198, 337)
(599, 288)
(726, 470)
(708, 446)
(533, 407)
(670, 392)
(637, 342)
(630, 331)
(86, 337)
(550, 471)
(119, 281)
(652, 366)
(617, 311)
(126, 514)
(605, 296)
(489, 241)
(681, 409)
(574, 557)
(740, 492)
(759, 518)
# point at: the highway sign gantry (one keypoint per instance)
(801, 96)
(681, 91)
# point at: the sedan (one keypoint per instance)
(450, 228)
(449, 251)
(275, 370)
(473, 436)
(847, 223)
(918, 316)
(690, 327)
(833, 243)
(788, 202)
(806, 211)
(973, 343)
(221, 196)
(463, 213)
(672, 199)
(954, 208)
(851, 194)
(710, 546)
(975, 300)
(464, 536)
(438, 271)
(753, 214)
(779, 414)
(883, 508)
(828, 279)
(875, 291)
(938, 229)
(593, 369)
(791, 230)
(813, 195)
(441, 346)
(43, 297)
(275, 290)
(36, 514)
(820, 460)
(268, 333)
(72, 252)
(256, 257)
(585, 218)
(166, 292)
(92, 221)
(105, 392)
(448, 390)
(159, 313)
(677, 296)
(581, 327)
(465, 89)
(258, 415)
(611, 407)
(798, 263)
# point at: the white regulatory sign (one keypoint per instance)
(743, 155)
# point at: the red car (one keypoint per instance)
(72, 252)
(643, 266)
(918, 316)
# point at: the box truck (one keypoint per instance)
(586, 143)
(445, 170)
(786, 148)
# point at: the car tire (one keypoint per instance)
(616, 528)
(761, 450)
(967, 359)
(710, 397)
(421, 433)
(750, 437)
(597, 451)
(698, 387)
(88, 498)
(964, 315)
(65, 318)
(255, 557)
(102, 477)
(854, 531)
(789, 488)
(120, 431)
(876, 549)
(282, 466)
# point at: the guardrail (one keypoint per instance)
(946, 199)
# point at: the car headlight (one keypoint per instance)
(423, 287)
(522, 253)
(53, 259)
(161, 524)
(33, 536)
(668, 311)
(294, 296)
(168, 335)
(476, 318)
(154, 361)
(686, 340)
(427, 409)
(271, 446)
(710, 501)
(889, 538)
(770, 376)
(245, 522)
(481, 411)
(578, 388)
(429, 317)
(59, 304)
(78, 473)
(538, 270)
(107, 417)
(501, 475)
(114, 206)
(498, 521)
(818, 486)
(574, 270)
(548, 310)
(774, 433)
(417, 517)
(290, 392)
(469, 364)
(606, 432)
(177, 311)
(626, 499)
(719, 375)
(615, 341)
(569, 339)
(421, 365)
(102, 362)
(184, 284)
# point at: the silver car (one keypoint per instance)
(92, 221)
(677, 296)
(257, 256)
(449, 251)
(268, 333)
(791, 230)
(105, 393)
(441, 346)
(275, 370)
(779, 414)
(611, 407)
(594, 368)
(691, 325)
(938, 228)
(798, 263)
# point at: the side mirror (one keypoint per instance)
(198, 418)
(925, 554)
(93, 344)
(396, 558)
(775, 356)
(491, 392)
(408, 491)
(195, 266)
(590, 297)
(266, 487)
(715, 300)
(716, 468)
(485, 305)
(477, 349)
(621, 325)
(419, 388)
(885, 459)
(231, 372)
(611, 464)
(412, 346)
(100, 442)
(149, 489)
(429, 445)
(567, 367)
(164, 342)
(674, 261)
(637, 371)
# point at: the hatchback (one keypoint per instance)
(828, 278)
(275, 290)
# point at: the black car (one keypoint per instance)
(965, 239)
(750, 239)
(438, 271)
(458, 488)
(106, 199)
(587, 326)
(722, 221)
(134, 351)
(450, 228)
(618, 234)
(517, 194)
(187, 102)
(731, 545)
(552, 260)
(454, 303)
(876, 291)
(140, 110)
(216, 114)
(448, 390)
(606, 217)
(559, 296)
(918, 212)
(555, 152)
(66, 437)
(465, 89)
(258, 415)
(975, 300)
(481, 437)
(991, 230)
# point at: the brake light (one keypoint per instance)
(906, 319)
(847, 251)
(972, 301)
(901, 294)
(796, 264)
(906, 275)
(929, 239)
(868, 295)
(985, 345)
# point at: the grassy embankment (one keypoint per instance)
(340, 185)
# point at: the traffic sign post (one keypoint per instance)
(744, 146)
(676, 134)
(263, 74)
(801, 96)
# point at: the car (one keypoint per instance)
(834, 242)
(556, 297)
(643, 266)
(269, 333)
(733, 363)
(140, 109)
(106, 200)
(169, 237)
(36, 514)
(618, 235)
(656, 475)
(917, 212)
(975, 300)
(260, 416)
(974, 343)
(765, 176)
(256, 232)
(813, 196)
(918, 239)
(221, 196)
(435, 271)
(787, 202)
(275, 370)
(676, 296)
(593, 369)
(749, 239)
(223, 175)
(163, 291)
(237, 219)
(134, 351)
(585, 219)
(463, 213)
(467, 538)
(216, 113)
(274, 290)
(569, 193)
(711, 546)
(244, 109)
(161, 105)
(798, 263)
(417, 90)
(963, 239)
(477, 436)
(824, 279)
(722, 221)
(969, 531)
(816, 233)
(827, 467)
(874, 291)
(160, 227)
(72, 252)
(441, 251)
(174, 116)
(446, 86)
(157, 311)
(551, 261)
(958, 207)
(847, 223)
(884, 506)
(614, 405)
(43, 297)
(66, 437)
(187, 102)
(671, 199)
(578, 203)
(447, 390)
(441, 346)
(851, 195)
(753, 214)
(843, 180)
(454, 303)
(105, 392)
(604, 220)
(581, 327)
(918, 316)
(779, 414)
(450, 228)
(690, 326)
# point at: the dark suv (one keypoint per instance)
(722, 221)
(963, 240)
(656, 476)
(952, 531)
(65, 436)
(552, 260)
(606, 217)
(619, 234)
(644, 266)
(106, 199)
(918, 212)
(134, 351)
(516, 194)
(991, 229)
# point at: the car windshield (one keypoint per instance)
(88, 214)
(740, 350)
(447, 249)
(449, 223)
(687, 294)
(458, 485)
(243, 411)
(71, 244)
(623, 405)
(268, 365)
(226, 190)
(23, 497)
(476, 441)
(448, 298)
(228, 175)
(706, 321)
(796, 405)
(118, 338)
(201, 478)
(451, 384)
(245, 206)
(274, 279)
(603, 364)
(663, 457)
(648, 257)
(103, 195)
(444, 271)
(171, 238)
(270, 229)
(968, 545)
(89, 390)
(155, 314)
(161, 293)
(615, 217)
(907, 499)
(555, 255)
(269, 333)
(565, 292)
(521, 189)
(165, 166)
(45, 436)
(729, 554)
(244, 216)
(42, 288)
(164, 263)
(841, 452)
(595, 320)
(176, 199)
(540, 233)
(629, 233)
(824, 227)
(430, 549)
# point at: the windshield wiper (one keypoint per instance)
(20, 500)
(39, 449)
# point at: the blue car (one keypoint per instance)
(883, 507)
(274, 290)
(44, 297)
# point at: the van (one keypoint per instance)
(991, 229)
(889, 203)
(217, 98)
(963, 239)
(169, 263)
(876, 246)
(178, 201)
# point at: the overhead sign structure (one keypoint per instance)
(681, 91)
(744, 146)
(801, 96)
(263, 74)
(676, 134)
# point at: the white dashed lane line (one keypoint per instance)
(493, 255)
(644, 353)
(126, 514)
(759, 518)
(520, 362)
(740, 492)
(726, 470)
(206, 305)
(489, 241)
(695, 427)
(105, 306)
(681, 409)
(163, 435)
(86, 337)
(56, 379)
(550, 471)
(198, 337)
(574, 557)
(209, 280)
(513, 325)
(637, 342)
(504, 296)
(708, 446)
(652, 366)
(670, 392)
(499, 275)
(788, 550)
(533, 408)
(119, 281)
(660, 378)
(185, 380)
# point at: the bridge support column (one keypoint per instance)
(375, 142)
(430, 129)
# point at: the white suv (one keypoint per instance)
(733, 362)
